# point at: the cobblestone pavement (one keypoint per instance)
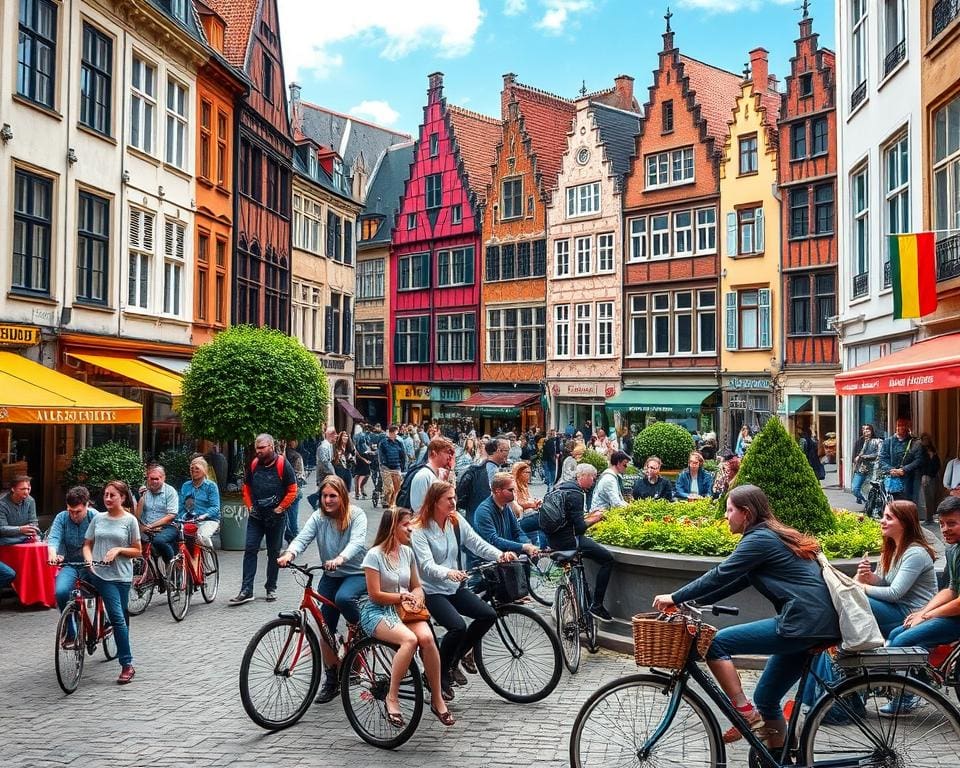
(183, 708)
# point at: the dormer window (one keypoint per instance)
(178, 9)
(312, 163)
(338, 173)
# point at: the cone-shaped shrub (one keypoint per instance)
(671, 442)
(775, 464)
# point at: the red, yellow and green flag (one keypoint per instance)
(913, 273)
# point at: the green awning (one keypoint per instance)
(678, 401)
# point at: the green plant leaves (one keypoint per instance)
(96, 466)
(671, 442)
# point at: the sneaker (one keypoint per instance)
(329, 689)
(901, 705)
(599, 612)
(126, 674)
(271, 596)
(240, 599)
(458, 677)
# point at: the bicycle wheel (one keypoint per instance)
(364, 684)
(178, 588)
(141, 588)
(70, 649)
(542, 578)
(881, 719)
(109, 641)
(211, 574)
(280, 673)
(589, 623)
(615, 723)
(519, 656)
(565, 617)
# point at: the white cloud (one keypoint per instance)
(558, 13)
(379, 112)
(728, 6)
(311, 30)
(514, 7)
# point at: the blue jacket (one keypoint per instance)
(206, 500)
(902, 454)
(795, 586)
(704, 487)
(499, 527)
(392, 454)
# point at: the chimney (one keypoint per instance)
(758, 68)
(434, 87)
(623, 87)
(296, 113)
(506, 95)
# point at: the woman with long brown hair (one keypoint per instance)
(524, 505)
(905, 579)
(343, 458)
(392, 580)
(340, 530)
(780, 562)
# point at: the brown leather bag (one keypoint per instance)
(409, 617)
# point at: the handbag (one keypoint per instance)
(858, 626)
(408, 616)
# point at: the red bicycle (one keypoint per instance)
(146, 578)
(82, 627)
(194, 565)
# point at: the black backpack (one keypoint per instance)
(472, 487)
(403, 495)
(553, 511)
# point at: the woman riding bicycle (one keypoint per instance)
(437, 539)
(341, 534)
(780, 563)
(200, 499)
(392, 580)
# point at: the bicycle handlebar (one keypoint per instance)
(80, 564)
(306, 570)
(695, 610)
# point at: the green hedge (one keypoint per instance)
(671, 442)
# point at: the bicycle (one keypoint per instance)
(79, 633)
(195, 564)
(281, 669)
(657, 718)
(571, 609)
(943, 666)
(877, 497)
(147, 577)
(543, 577)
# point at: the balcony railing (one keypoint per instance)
(896, 55)
(861, 283)
(859, 93)
(948, 257)
(944, 12)
(886, 274)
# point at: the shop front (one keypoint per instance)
(412, 403)
(576, 401)
(493, 412)
(810, 403)
(373, 403)
(638, 407)
(746, 399)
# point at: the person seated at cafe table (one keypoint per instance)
(159, 504)
(651, 484)
(18, 513)
(66, 538)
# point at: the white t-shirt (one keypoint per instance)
(392, 579)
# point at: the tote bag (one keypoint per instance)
(858, 627)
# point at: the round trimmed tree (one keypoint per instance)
(670, 442)
(251, 380)
(775, 464)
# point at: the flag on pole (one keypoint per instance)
(913, 273)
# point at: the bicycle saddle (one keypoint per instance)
(564, 556)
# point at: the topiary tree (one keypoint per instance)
(595, 459)
(775, 464)
(251, 380)
(671, 442)
(94, 467)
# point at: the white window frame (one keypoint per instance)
(369, 333)
(583, 329)
(584, 254)
(501, 335)
(860, 219)
(409, 286)
(561, 258)
(639, 319)
(660, 238)
(660, 315)
(605, 255)
(706, 307)
(671, 168)
(178, 111)
(706, 230)
(896, 185)
(408, 328)
(561, 331)
(174, 266)
(583, 200)
(638, 239)
(307, 300)
(465, 256)
(604, 329)
(946, 170)
(458, 324)
(894, 29)
(370, 279)
(143, 103)
(858, 44)
(683, 234)
(678, 314)
(141, 226)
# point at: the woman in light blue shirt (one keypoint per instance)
(200, 498)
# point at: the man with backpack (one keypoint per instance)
(438, 466)
(269, 488)
(473, 487)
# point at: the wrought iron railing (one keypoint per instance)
(861, 283)
(896, 55)
(944, 12)
(948, 257)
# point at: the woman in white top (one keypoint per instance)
(438, 537)
(392, 579)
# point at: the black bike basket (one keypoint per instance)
(507, 582)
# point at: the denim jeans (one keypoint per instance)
(64, 584)
(787, 657)
(164, 542)
(549, 474)
(7, 575)
(889, 616)
(590, 550)
(345, 591)
(530, 525)
(114, 594)
(259, 529)
(927, 634)
(448, 611)
(858, 480)
(293, 519)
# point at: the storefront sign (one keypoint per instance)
(333, 364)
(19, 335)
(737, 405)
(583, 389)
(410, 392)
(450, 394)
(21, 415)
(738, 383)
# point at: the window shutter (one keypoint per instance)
(424, 339)
(136, 228)
(764, 317)
(347, 241)
(337, 239)
(347, 326)
(758, 239)
(732, 320)
(331, 233)
(328, 329)
(732, 234)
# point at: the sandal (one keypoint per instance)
(395, 719)
(754, 720)
(444, 717)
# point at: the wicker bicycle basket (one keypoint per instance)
(664, 641)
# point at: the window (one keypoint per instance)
(659, 236)
(456, 213)
(202, 288)
(37, 51)
(140, 235)
(583, 200)
(370, 344)
(561, 258)
(222, 138)
(251, 170)
(860, 200)
(706, 230)
(812, 304)
(434, 144)
(174, 235)
(220, 287)
(493, 263)
(307, 224)
(584, 329)
(338, 178)
(707, 322)
(306, 314)
(143, 101)
(819, 129)
(946, 168)
(273, 185)
(894, 34)
(32, 220)
(347, 327)
(523, 259)
(683, 322)
(748, 154)
(411, 221)
(96, 80)
(561, 329)
(799, 212)
(798, 141)
(516, 334)
(584, 247)
(745, 232)
(604, 329)
(666, 112)
(176, 124)
(858, 51)
(508, 261)
(370, 280)
(455, 267)
(267, 77)
(800, 314)
(823, 208)
(456, 338)
(433, 190)
(539, 258)
(93, 248)
(331, 324)
(805, 85)
(826, 306)
(334, 236)
(413, 272)
(605, 252)
(748, 319)
(668, 168)
(661, 323)
(206, 133)
(896, 188)
(638, 238)
(512, 198)
(638, 324)
(178, 9)
(682, 234)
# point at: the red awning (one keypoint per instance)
(499, 400)
(928, 364)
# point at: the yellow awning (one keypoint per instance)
(31, 393)
(142, 373)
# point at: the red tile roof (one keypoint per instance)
(239, 16)
(546, 120)
(477, 138)
(716, 93)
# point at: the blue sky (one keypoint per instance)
(371, 58)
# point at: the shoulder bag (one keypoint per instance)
(408, 616)
(858, 626)
(895, 484)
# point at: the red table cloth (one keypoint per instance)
(35, 580)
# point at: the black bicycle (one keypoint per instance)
(571, 608)
(877, 497)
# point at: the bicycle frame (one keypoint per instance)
(941, 671)
(192, 558)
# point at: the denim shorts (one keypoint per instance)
(371, 614)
